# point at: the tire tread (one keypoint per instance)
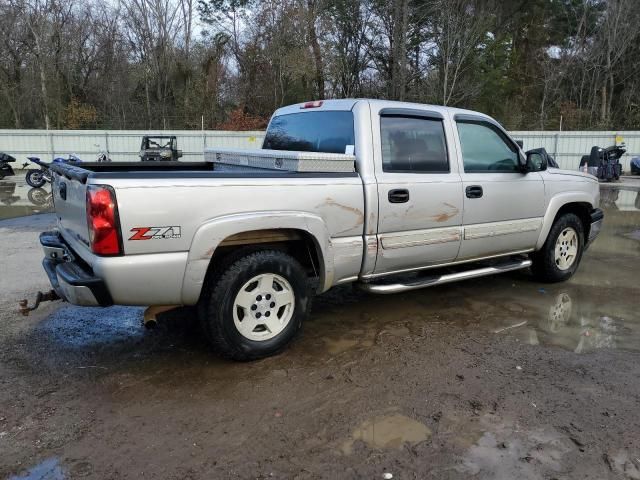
(219, 286)
(543, 267)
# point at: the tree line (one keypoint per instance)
(227, 64)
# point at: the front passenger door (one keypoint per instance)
(503, 206)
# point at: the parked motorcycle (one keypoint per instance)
(36, 178)
(5, 168)
(603, 163)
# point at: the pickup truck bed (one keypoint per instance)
(174, 268)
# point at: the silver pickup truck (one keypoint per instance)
(436, 195)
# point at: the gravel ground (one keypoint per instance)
(492, 378)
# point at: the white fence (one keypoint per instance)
(569, 147)
(123, 145)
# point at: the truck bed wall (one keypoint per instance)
(208, 210)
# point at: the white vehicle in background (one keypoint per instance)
(377, 193)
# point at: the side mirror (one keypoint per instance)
(520, 143)
(536, 161)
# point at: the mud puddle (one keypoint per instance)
(89, 328)
(18, 199)
(49, 469)
(388, 432)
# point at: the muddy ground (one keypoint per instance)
(499, 377)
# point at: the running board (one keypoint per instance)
(382, 288)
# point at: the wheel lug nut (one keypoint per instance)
(259, 297)
(268, 297)
(254, 307)
(267, 314)
(272, 304)
(258, 315)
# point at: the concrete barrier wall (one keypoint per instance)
(124, 145)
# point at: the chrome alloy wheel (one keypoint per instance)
(566, 250)
(263, 307)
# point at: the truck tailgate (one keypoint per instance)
(69, 196)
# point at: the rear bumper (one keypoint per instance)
(71, 278)
(597, 218)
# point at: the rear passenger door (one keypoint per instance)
(503, 207)
(419, 188)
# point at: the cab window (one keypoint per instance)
(485, 148)
(413, 145)
(324, 132)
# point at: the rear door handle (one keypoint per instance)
(399, 195)
(473, 191)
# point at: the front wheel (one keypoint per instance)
(256, 306)
(36, 178)
(561, 253)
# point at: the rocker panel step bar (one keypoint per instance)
(388, 288)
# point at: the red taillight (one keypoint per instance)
(316, 104)
(102, 218)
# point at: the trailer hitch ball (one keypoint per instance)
(49, 296)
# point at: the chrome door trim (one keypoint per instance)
(493, 229)
(417, 238)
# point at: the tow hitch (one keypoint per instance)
(50, 296)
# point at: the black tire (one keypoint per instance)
(216, 308)
(35, 178)
(545, 267)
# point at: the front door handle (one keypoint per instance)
(473, 191)
(399, 195)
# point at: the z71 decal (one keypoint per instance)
(154, 233)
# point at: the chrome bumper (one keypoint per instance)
(71, 279)
(597, 217)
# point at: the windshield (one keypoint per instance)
(327, 132)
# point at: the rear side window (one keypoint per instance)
(413, 144)
(486, 149)
(326, 132)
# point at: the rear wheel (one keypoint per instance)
(562, 251)
(35, 178)
(256, 306)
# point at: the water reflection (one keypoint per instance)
(580, 326)
(18, 199)
(40, 197)
(49, 469)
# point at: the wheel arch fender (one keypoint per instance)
(212, 233)
(556, 204)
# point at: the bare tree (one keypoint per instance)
(153, 27)
(458, 31)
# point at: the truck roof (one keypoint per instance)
(349, 103)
